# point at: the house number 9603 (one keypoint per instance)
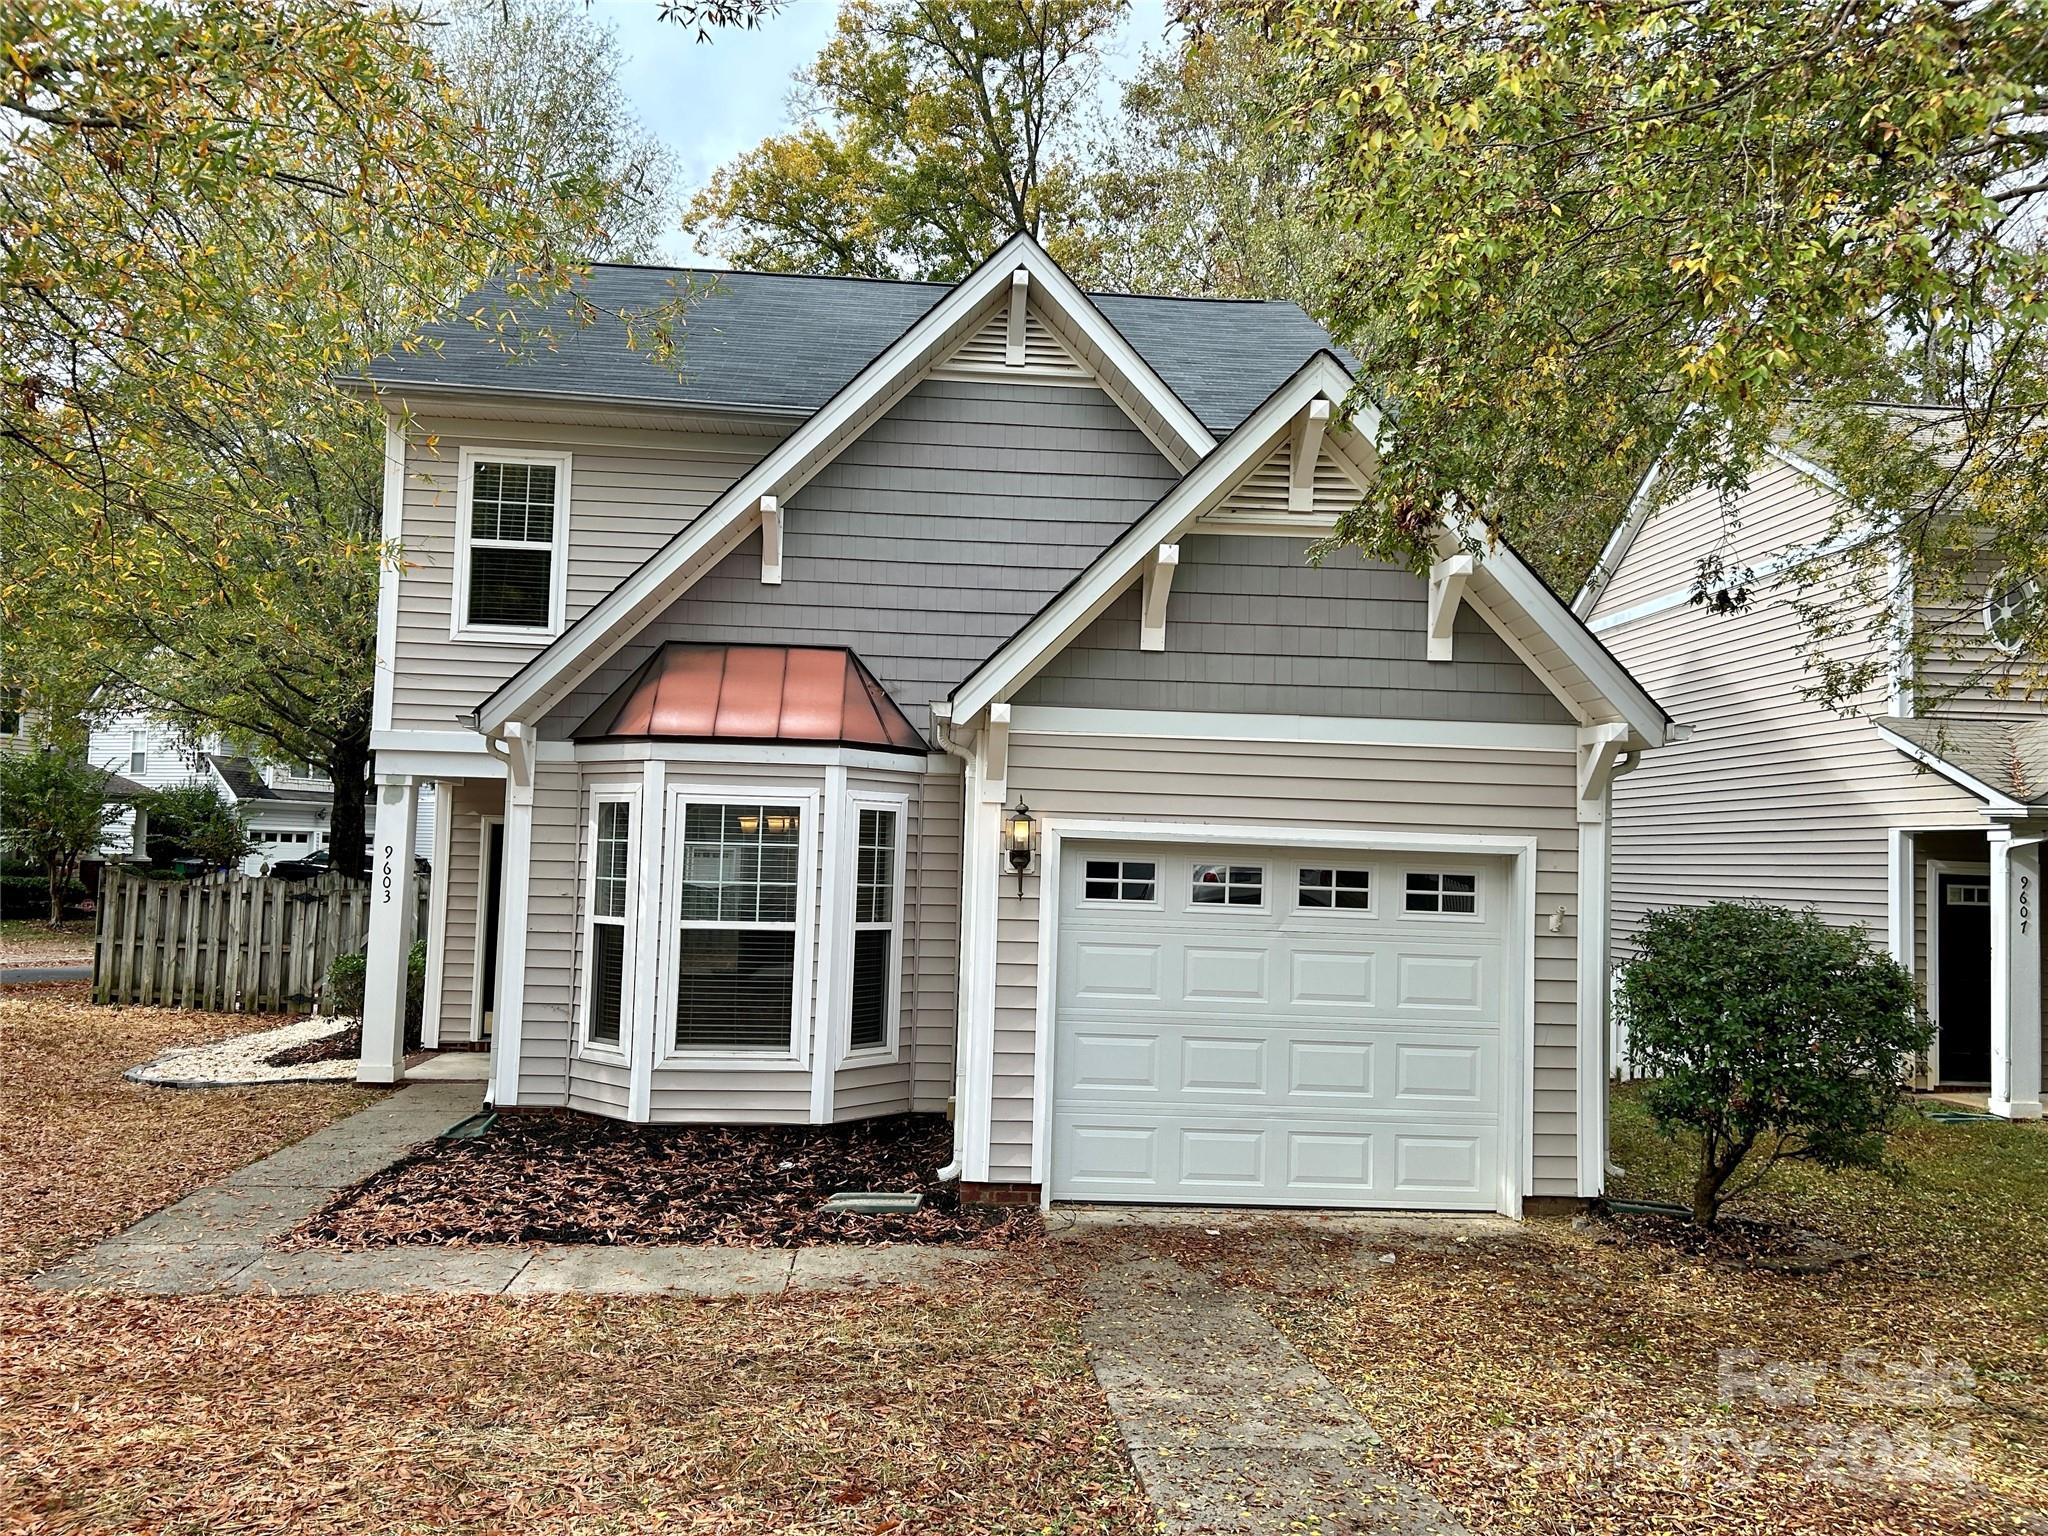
(2023, 907)
(385, 871)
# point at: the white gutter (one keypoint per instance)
(942, 734)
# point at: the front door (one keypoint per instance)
(494, 890)
(1963, 997)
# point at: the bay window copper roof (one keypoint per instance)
(815, 695)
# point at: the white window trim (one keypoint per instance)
(1187, 885)
(616, 1053)
(890, 1050)
(1476, 915)
(2015, 596)
(459, 626)
(1120, 904)
(797, 1056)
(1372, 889)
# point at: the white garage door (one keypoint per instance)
(1279, 1027)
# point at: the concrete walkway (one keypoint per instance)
(1232, 1430)
(213, 1241)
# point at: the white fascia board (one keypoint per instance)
(1322, 377)
(672, 570)
(384, 676)
(1299, 730)
(1999, 803)
(1579, 645)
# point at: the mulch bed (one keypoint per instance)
(1737, 1240)
(343, 1044)
(560, 1177)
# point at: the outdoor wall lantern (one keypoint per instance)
(1020, 838)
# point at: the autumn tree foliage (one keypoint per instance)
(1593, 235)
(210, 212)
(932, 130)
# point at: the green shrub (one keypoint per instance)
(1770, 1036)
(346, 975)
(194, 821)
(29, 896)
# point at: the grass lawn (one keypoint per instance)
(30, 941)
(961, 1408)
(1547, 1382)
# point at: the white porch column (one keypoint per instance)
(1595, 846)
(392, 898)
(437, 913)
(512, 904)
(2015, 974)
(980, 899)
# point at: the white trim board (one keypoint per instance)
(1999, 804)
(553, 674)
(1518, 1044)
(384, 678)
(1187, 725)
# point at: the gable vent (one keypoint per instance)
(983, 353)
(1263, 493)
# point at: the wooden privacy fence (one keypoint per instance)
(230, 942)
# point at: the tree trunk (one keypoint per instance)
(348, 764)
(55, 871)
(1706, 1194)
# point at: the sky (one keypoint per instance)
(708, 101)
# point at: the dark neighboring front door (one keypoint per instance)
(494, 889)
(1965, 987)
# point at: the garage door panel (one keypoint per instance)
(1279, 1055)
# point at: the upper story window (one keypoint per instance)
(2009, 611)
(512, 526)
(138, 753)
(10, 711)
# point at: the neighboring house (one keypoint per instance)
(929, 701)
(287, 807)
(1918, 815)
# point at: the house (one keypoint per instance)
(1917, 813)
(928, 701)
(287, 807)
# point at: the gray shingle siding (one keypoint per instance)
(774, 342)
(929, 541)
(1253, 628)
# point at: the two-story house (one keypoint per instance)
(927, 699)
(1916, 812)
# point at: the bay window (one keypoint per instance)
(606, 942)
(742, 934)
(876, 923)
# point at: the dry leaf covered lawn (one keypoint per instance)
(955, 1409)
(29, 941)
(84, 1153)
(1546, 1382)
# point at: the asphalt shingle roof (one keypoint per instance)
(2008, 755)
(773, 342)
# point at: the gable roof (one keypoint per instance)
(2003, 759)
(729, 520)
(1501, 576)
(766, 343)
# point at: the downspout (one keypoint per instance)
(1627, 763)
(942, 733)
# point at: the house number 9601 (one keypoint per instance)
(385, 873)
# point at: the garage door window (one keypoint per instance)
(1334, 890)
(1442, 895)
(1121, 880)
(1229, 885)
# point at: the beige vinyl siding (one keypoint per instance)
(546, 1023)
(931, 987)
(465, 803)
(1781, 507)
(1290, 785)
(1775, 796)
(1963, 672)
(631, 491)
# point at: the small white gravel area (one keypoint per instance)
(240, 1060)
